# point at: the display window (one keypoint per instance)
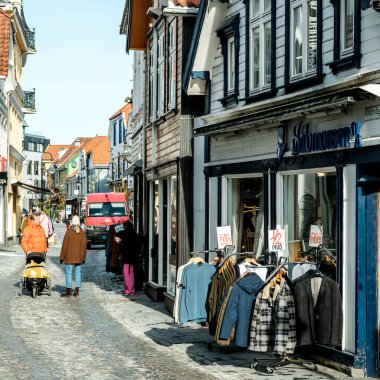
(309, 204)
(246, 213)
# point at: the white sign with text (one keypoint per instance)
(224, 236)
(276, 240)
(316, 235)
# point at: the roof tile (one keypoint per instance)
(5, 24)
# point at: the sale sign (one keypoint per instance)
(316, 235)
(224, 236)
(277, 241)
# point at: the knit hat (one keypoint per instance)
(75, 221)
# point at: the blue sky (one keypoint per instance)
(81, 72)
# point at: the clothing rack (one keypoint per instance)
(270, 362)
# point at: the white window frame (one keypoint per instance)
(231, 64)
(160, 78)
(258, 21)
(305, 40)
(172, 67)
(152, 82)
(343, 28)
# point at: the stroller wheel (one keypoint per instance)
(34, 291)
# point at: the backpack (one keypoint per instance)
(51, 226)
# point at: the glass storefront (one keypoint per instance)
(246, 213)
(155, 230)
(172, 223)
(310, 199)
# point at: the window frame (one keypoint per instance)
(307, 77)
(263, 90)
(172, 65)
(160, 71)
(346, 58)
(120, 131)
(114, 133)
(230, 29)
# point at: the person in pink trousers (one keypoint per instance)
(130, 248)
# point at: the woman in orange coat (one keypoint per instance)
(33, 236)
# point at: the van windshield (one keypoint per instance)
(107, 209)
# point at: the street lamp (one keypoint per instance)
(51, 171)
(110, 178)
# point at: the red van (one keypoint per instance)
(103, 210)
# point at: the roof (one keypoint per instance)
(5, 24)
(53, 150)
(125, 109)
(100, 148)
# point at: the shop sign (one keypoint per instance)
(316, 235)
(3, 178)
(305, 141)
(277, 241)
(224, 236)
(372, 113)
(68, 209)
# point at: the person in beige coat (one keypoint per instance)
(73, 253)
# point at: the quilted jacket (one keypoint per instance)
(33, 238)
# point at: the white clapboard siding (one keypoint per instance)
(247, 144)
(370, 50)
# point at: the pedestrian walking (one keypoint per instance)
(44, 221)
(130, 247)
(73, 253)
(33, 237)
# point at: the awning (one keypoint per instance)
(198, 68)
(137, 166)
(35, 189)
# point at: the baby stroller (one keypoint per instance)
(35, 277)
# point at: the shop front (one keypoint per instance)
(162, 200)
(310, 171)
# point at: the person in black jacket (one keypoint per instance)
(130, 247)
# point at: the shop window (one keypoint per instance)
(172, 221)
(310, 199)
(228, 34)
(303, 44)
(246, 214)
(347, 15)
(260, 40)
(155, 232)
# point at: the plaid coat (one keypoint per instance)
(274, 322)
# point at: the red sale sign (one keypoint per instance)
(277, 241)
(316, 235)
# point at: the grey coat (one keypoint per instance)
(322, 324)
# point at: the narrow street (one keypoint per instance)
(104, 335)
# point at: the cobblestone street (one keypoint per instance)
(105, 335)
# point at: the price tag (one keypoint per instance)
(316, 235)
(277, 241)
(224, 236)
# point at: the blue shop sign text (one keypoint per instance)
(305, 141)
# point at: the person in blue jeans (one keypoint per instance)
(73, 253)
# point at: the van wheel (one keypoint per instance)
(89, 245)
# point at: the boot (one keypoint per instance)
(76, 292)
(67, 294)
